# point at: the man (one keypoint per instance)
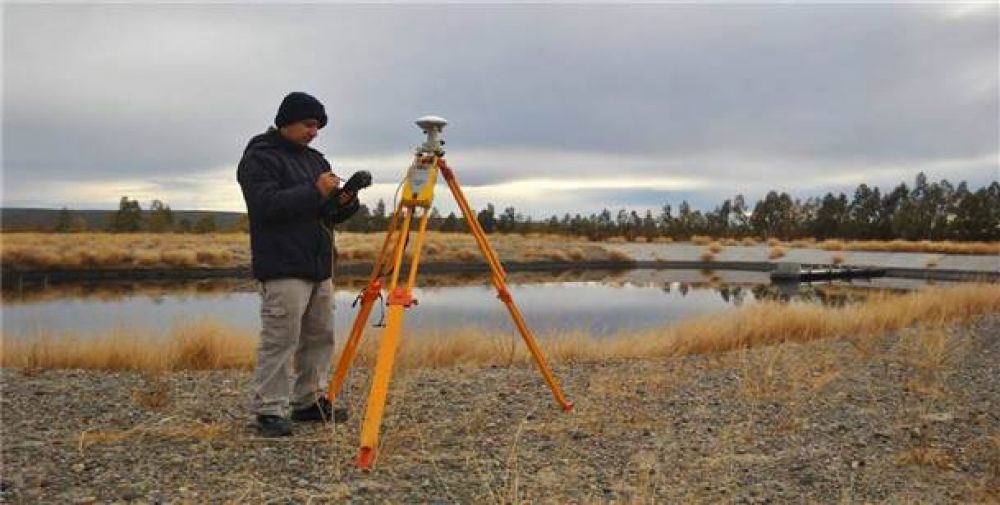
(293, 201)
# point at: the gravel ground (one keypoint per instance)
(912, 417)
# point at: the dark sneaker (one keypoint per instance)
(274, 426)
(322, 411)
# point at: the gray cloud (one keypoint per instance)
(745, 96)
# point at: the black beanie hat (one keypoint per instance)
(298, 106)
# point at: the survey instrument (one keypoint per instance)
(417, 194)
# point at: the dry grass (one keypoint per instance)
(143, 250)
(837, 259)
(616, 255)
(776, 252)
(114, 250)
(154, 395)
(923, 246)
(202, 345)
(930, 353)
(926, 456)
(207, 345)
(707, 256)
(166, 429)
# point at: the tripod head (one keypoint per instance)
(432, 126)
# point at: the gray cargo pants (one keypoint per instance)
(296, 321)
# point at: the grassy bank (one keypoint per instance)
(209, 345)
(922, 246)
(166, 250)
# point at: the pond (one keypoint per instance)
(598, 302)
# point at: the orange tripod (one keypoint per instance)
(418, 193)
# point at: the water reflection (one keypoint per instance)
(592, 301)
(110, 291)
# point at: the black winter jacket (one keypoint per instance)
(291, 225)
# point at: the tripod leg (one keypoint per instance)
(470, 218)
(532, 344)
(502, 292)
(368, 298)
(386, 356)
(351, 346)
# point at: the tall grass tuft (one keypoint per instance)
(208, 346)
(191, 346)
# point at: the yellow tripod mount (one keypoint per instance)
(418, 193)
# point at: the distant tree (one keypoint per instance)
(665, 221)
(159, 218)
(507, 221)
(892, 221)
(923, 214)
(774, 216)
(552, 225)
(450, 223)
(487, 218)
(865, 213)
(648, 227)
(184, 226)
(831, 217)
(976, 218)
(65, 222)
(434, 220)
(739, 220)
(379, 217)
(128, 219)
(684, 223)
(205, 224)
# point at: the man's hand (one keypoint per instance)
(326, 183)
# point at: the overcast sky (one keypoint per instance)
(552, 109)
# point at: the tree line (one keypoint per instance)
(926, 211)
(158, 218)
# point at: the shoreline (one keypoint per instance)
(13, 278)
(211, 345)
